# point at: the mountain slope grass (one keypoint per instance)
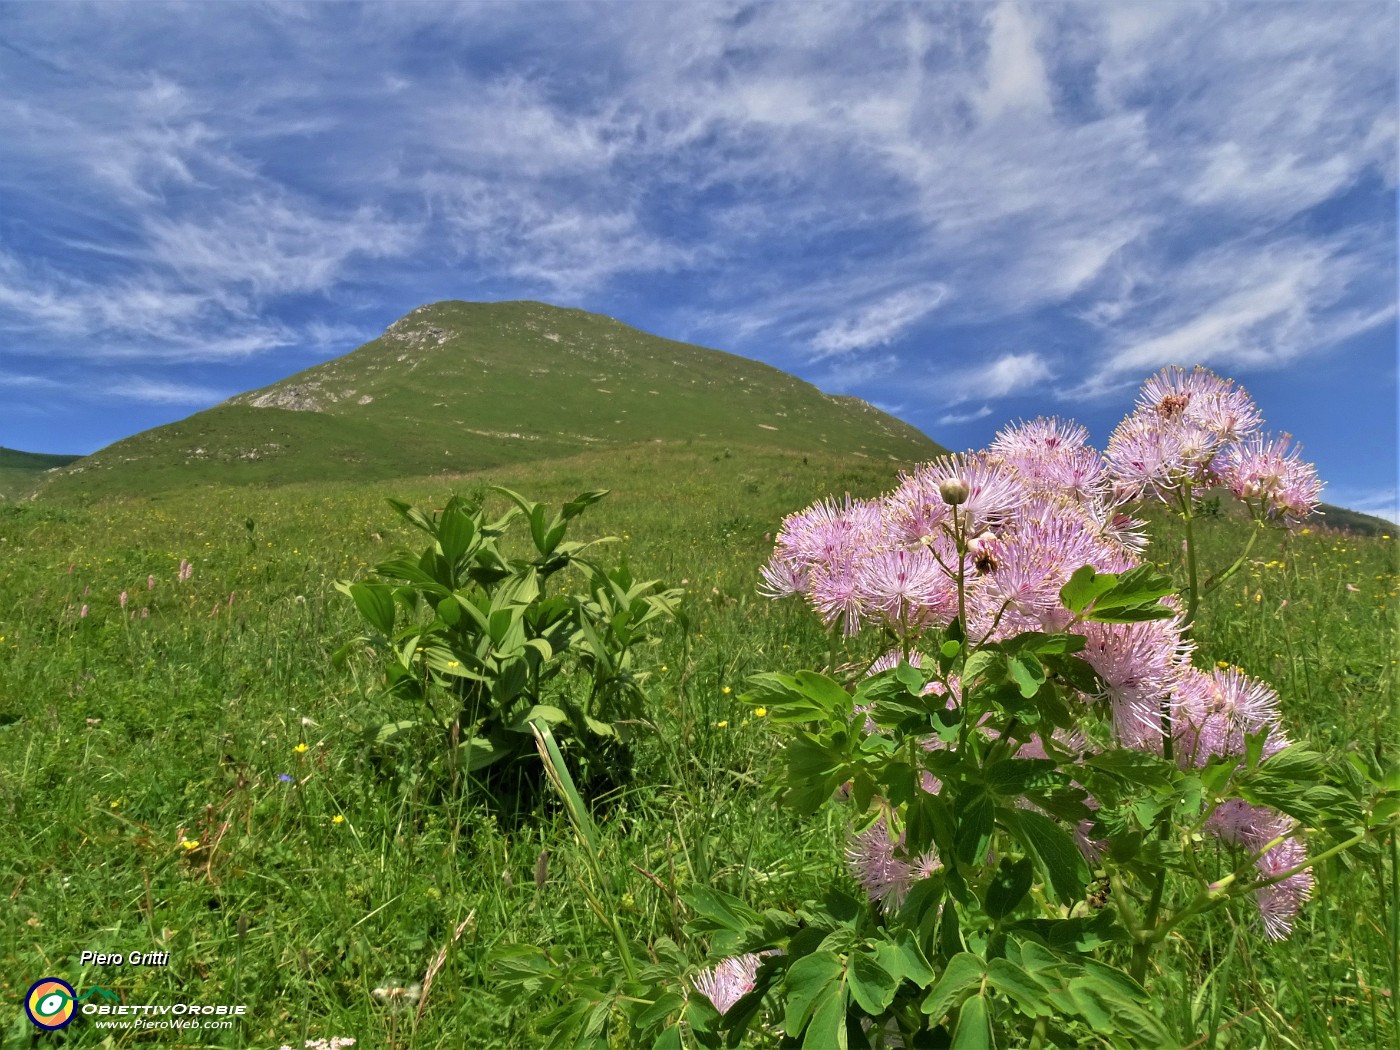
(459, 386)
(190, 775)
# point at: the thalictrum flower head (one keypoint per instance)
(729, 980)
(1267, 472)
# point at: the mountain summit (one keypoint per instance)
(455, 387)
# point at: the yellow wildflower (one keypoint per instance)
(761, 712)
(301, 748)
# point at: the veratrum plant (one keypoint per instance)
(474, 643)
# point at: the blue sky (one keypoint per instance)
(965, 213)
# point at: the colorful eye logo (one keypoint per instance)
(50, 1003)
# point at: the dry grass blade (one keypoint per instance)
(438, 963)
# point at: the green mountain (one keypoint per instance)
(23, 472)
(456, 387)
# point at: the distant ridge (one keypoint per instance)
(22, 472)
(455, 387)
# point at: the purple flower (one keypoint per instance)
(1268, 472)
(873, 858)
(725, 983)
(1215, 712)
(285, 778)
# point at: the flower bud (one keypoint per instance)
(953, 491)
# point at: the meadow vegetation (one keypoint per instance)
(184, 768)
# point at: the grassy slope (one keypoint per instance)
(22, 472)
(467, 386)
(134, 734)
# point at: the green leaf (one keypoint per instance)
(547, 712)
(1054, 850)
(1013, 777)
(1019, 986)
(825, 692)
(456, 533)
(963, 972)
(581, 502)
(382, 734)
(661, 1008)
(376, 604)
(910, 677)
(827, 1030)
(1008, 887)
(807, 983)
(669, 1039)
(976, 816)
(1092, 1004)
(1084, 586)
(724, 910)
(1027, 673)
(872, 986)
(1107, 598)
(480, 752)
(974, 1031)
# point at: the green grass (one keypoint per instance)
(457, 387)
(124, 737)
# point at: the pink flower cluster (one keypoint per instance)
(1194, 427)
(1032, 509)
(729, 980)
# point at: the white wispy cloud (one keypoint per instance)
(1003, 376)
(880, 322)
(162, 392)
(954, 418)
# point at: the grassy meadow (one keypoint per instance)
(190, 775)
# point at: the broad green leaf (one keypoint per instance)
(376, 604)
(581, 502)
(872, 986)
(1013, 777)
(1027, 673)
(412, 515)
(963, 973)
(1009, 886)
(976, 817)
(1039, 644)
(827, 1029)
(547, 712)
(455, 534)
(661, 1008)
(910, 677)
(1092, 1004)
(1018, 986)
(1084, 586)
(384, 733)
(979, 664)
(825, 692)
(807, 983)
(669, 1039)
(1053, 848)
(974, 1031)
(725, 910)
(480, 752)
